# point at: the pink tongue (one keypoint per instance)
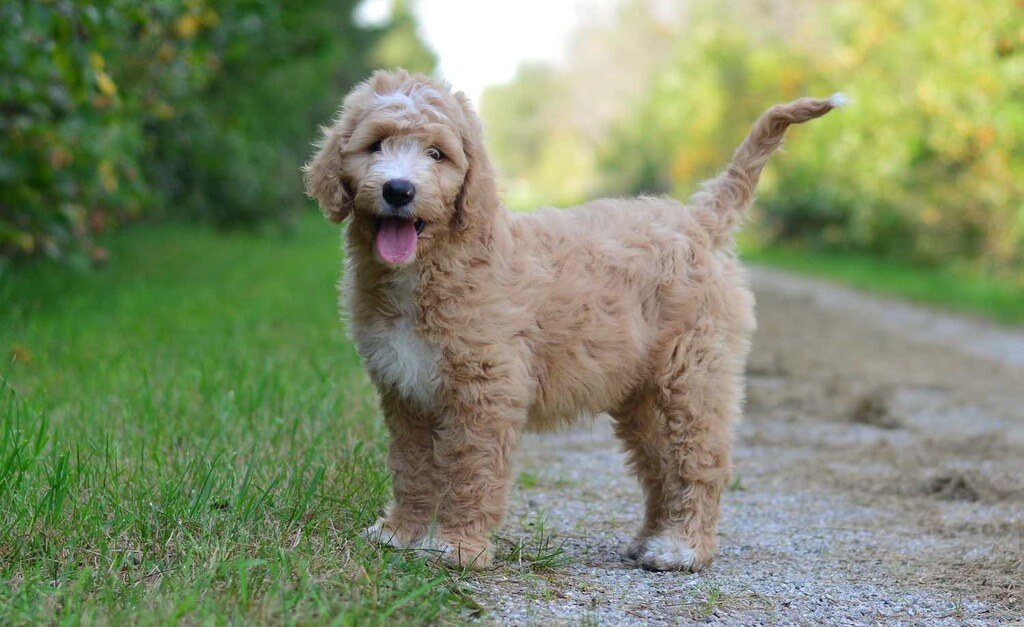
(396, 239)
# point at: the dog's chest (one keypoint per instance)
(392, 350)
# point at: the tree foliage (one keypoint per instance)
(928, 165)
(192, 109)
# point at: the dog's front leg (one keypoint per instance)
(474, 452)
(415, 482)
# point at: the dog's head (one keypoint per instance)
(405, 159)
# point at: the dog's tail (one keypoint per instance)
(722, 201)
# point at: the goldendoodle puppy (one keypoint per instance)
(475, 323)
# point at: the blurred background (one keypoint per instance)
(190, 110)
(202, 112)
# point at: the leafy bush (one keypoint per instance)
(193, 109)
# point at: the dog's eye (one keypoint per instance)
(375, 146)
(435, 154)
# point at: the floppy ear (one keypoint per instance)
(323, 172)
(478, 195)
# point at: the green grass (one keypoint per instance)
(963, 291)
(186, 436)
(540, 551)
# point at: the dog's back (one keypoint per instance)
(607, 282)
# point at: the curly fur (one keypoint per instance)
(503, 321)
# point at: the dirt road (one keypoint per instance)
(879, 477)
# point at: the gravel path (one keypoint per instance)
(878, 478)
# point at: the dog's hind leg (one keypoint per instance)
(637, 426)
(699, 397)
(415, 483)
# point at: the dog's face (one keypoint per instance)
(402, 159)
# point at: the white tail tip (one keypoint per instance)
(839, 100)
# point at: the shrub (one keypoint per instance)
(191, 109)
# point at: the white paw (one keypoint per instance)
(461, 555)
(435, 546)
(381, 533)
(634, 548)
(663, 553)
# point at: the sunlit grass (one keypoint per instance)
(943, 287)
(187, 435)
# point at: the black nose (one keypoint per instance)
(399, 192)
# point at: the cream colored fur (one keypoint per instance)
(504, 321)
(391, 348)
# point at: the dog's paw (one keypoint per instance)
(435, 546)
(635, 548)
(475, 555)
(382, 533)
(666, 553)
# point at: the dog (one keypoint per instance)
(475, 323)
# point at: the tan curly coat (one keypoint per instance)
(499, 321)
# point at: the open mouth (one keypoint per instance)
(397, 237)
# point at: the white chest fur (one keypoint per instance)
(390, 347)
